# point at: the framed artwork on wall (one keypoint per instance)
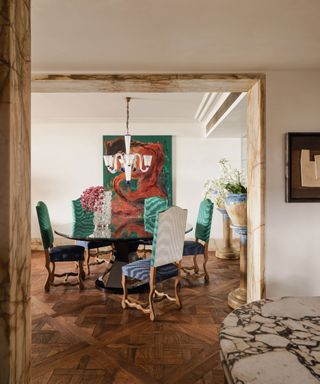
(128, 199)
(303, 167)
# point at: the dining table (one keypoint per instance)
(126, 234)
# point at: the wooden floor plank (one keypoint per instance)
(86, 337)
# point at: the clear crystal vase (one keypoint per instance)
(102, 218)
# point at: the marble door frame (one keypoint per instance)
(15, 253)
(253, 83)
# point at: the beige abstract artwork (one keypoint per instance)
(310, 170)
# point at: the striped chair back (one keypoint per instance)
(81, 218)
(153, 205)
(45, 225)
(204, 220)
(168, 238)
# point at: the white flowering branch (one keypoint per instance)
(231, 181)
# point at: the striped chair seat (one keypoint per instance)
(140, 270)
(191, 248)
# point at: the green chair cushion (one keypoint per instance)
(204, 220)
(45, 225)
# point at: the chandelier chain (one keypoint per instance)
(128, 101)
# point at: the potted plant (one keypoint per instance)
(229, 192)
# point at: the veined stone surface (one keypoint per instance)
(272, 368)
(273, 341)
(15, 321)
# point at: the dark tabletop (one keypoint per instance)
(120, 228)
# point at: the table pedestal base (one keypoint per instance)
(237, 297)
(110, 281)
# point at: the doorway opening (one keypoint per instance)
(253, 84)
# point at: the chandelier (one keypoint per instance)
(127, 162)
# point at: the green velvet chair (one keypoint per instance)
(164, 263)
(201, 243)
(58, 254)
(92, 248)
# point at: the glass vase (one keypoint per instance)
(102, 217)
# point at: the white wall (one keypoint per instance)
(292, 229)
(67, 158)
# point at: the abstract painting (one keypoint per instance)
(303, 167)
(128, 199)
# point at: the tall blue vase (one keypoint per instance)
(236, 206)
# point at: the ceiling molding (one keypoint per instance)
(226, 107)
(206, 105)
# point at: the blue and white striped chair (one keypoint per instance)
(165, 261)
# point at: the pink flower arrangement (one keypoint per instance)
(92, 199)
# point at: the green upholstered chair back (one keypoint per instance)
(153, 205)
(45, 225)
(168, 236)
(82, 218)
(204, 220)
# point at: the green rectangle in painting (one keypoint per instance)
(165, 178)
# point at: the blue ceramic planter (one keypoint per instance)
(236, 206)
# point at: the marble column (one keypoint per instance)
(239, 296)
(227, 251)
(15, 332)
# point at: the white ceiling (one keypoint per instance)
(158, 108)
(174, 35)
(111, 107)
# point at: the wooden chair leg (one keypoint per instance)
(205, 260)
(49, 277)
(80, 275)
(87, 260)
(195, 264)
(125, 292)
(82, 271)
(152, 292)
(53, 270)
(177, 285)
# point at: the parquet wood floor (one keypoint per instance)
(86, 338)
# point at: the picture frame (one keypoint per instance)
(302, 167)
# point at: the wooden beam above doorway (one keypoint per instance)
(47, 83)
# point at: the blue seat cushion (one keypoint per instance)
(94, 244)
(192, 248)
(140, 270)
(66, 253)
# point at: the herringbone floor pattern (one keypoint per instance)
(86, 337)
